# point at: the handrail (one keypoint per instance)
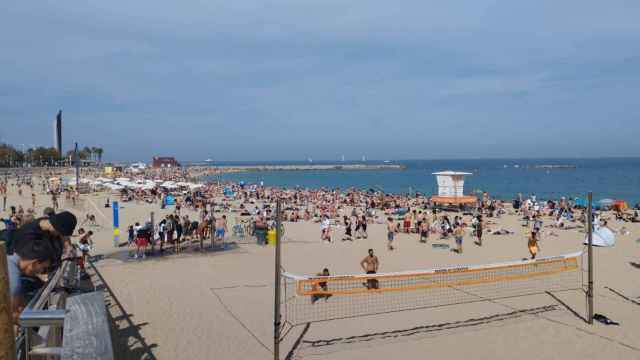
(36, 318)
(46, 312)
(38, 301)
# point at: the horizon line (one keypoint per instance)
(407, 159)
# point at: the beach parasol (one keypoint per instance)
(620, 205)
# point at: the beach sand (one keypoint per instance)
(219, 305)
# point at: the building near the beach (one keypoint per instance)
(451, 188)
(164, 162)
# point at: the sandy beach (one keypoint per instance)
(220, 304)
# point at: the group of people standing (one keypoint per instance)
(175, 231)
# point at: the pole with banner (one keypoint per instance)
(116, 224)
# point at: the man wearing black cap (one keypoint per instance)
(38, 249)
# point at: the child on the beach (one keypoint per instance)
(142, 241)
(424, 232)
(131, 239)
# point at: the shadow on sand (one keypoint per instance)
(128, 343)
(307, 347)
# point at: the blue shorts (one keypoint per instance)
(220, 232)
(390, 236)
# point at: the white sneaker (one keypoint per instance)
(135, 256)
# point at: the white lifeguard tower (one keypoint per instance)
(451, 188)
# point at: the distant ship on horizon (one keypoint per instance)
(209, 160)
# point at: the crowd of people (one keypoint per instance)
(344, 215)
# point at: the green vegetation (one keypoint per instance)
(41, 156)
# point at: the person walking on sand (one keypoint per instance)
(391, 232)
(54, 200)
(33, 201)
(478, 229)
(533, 244)
(221, 228)
(458, 233)
(361, 227)
(347, 229)
(325, 228)
(3, 190)
(424, 231)
(370, 265)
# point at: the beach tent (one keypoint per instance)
(169, 200)
(602, 237)
(228, 191)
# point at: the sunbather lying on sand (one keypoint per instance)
(499, 231)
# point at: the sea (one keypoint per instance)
(610, 178)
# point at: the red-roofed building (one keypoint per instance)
(164, 161)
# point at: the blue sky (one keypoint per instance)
(267, 80)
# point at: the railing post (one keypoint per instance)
(7, 336)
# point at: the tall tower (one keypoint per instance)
(57, 133)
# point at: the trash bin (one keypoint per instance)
(271, 237)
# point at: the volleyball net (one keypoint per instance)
(308, 299)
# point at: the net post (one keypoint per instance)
(276, 310)
(590, 258)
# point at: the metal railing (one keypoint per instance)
(42, 320)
